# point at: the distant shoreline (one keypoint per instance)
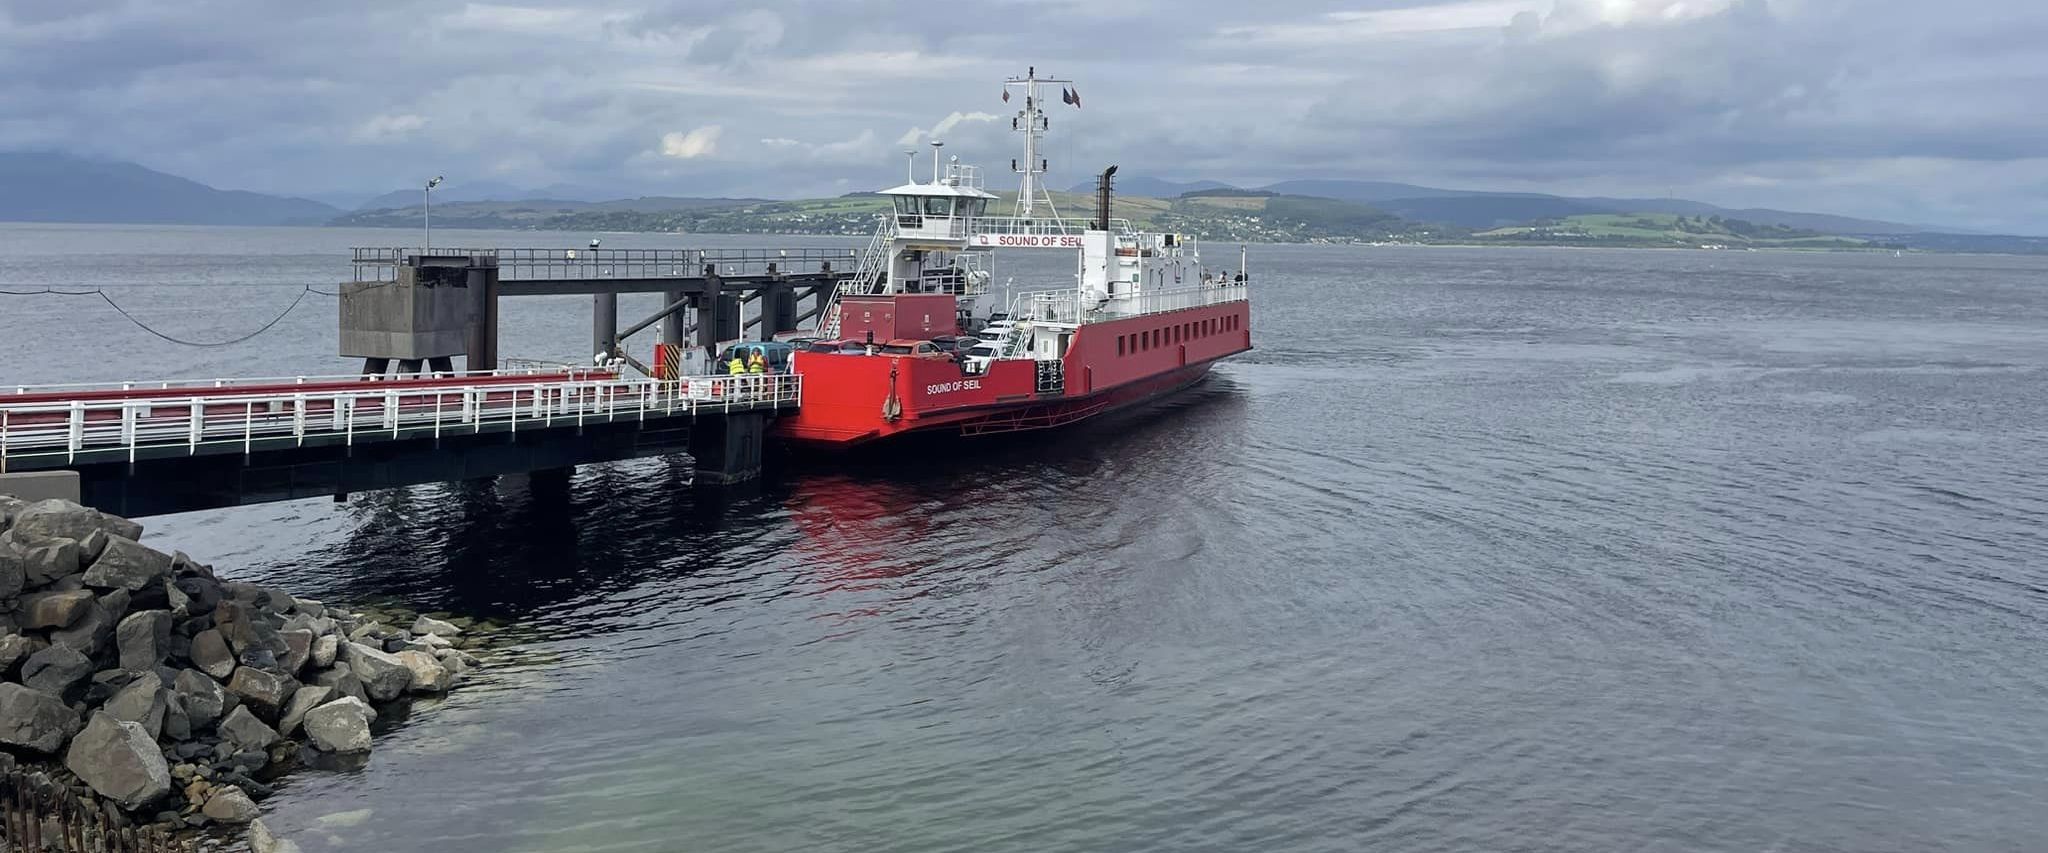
(1454, 244)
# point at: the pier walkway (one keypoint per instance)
(144, 449)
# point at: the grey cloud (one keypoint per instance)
(1876, 107)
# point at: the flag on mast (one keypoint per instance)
(1072, 96)
(1066, 95)
(1006, 96)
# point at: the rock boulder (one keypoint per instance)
(298, 648)
(426, 625)
(141, 702)
(15, 648)
(325, 649)
(305, 699)
(143, 638)
(343, 680)
(246, 629)
(383, 675)
(34, 720)
(92, 632)
(202, 696)
(428, 676)
(13, 567)
(54, 609)
(53, 559)
(229, 804)
(127, 564)
(268, 692)
(342, 725)
(120, 761)
(246, 732)
(56, 670)
(210, 653)
(262, 840)
(55, 519)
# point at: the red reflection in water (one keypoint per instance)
(857, 535)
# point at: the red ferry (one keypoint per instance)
(917, 341)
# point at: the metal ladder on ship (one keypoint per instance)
(870, 278)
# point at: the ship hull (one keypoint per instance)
(854, 400)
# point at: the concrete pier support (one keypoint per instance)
(41, 485)
(604, 323)
(728, 449)
(778, 310)
(718, 313)
(483, 327)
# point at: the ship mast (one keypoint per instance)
(1032, 122)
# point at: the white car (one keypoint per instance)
(977, 357)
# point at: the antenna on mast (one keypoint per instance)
(1032, 122)
(936, 145)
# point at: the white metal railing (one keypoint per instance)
(1044, 225)
(1046, 306)
(514, 368)
(45, 430)
(1065, 305)
(963, 175)
(1171, 300)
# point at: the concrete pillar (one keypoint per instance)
(604, 323)
(45, 485)
(675, 327)
(728, 448)
(778, 310)
(730, 326)
(483, 327)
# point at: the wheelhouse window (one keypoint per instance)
(938, 206)
(908, 204)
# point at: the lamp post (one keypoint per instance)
(427, 216)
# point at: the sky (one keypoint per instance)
(1906, 110)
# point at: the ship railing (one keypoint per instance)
(963, 175)
(1040, 225)
(1044, 306)
(1177, 299)
(43, 433)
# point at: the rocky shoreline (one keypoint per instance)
(167, 697)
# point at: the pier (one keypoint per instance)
(412, 415)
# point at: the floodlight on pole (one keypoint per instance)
(427, 216)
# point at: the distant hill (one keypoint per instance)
(1366, 192)
(1666, 230)
(1487, 209)
(532, 213)
(1271, 217)
(47, 187)
(454, 191)
(1150, 187)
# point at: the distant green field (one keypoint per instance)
(1665, 229)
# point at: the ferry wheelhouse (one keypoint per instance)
(918, 339)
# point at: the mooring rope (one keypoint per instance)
(109, 299)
